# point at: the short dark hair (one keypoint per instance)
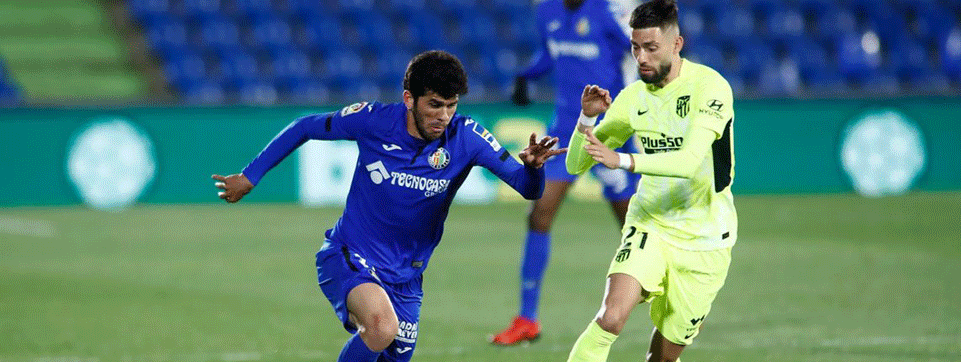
(655, 13)
(438, 71)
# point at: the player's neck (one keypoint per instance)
(673, 74)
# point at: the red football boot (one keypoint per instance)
(521, 329)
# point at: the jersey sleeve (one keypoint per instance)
(541, 62)
(527, 181)
(614, 130)
(346, 124)
(714, 104)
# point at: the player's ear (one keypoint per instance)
(678, 44)
(408, 100)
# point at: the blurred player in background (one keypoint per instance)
(676, 242)
(413, 158)
(583, 42)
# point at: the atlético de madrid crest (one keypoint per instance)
(439, 159)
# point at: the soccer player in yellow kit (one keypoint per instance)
(681, 225)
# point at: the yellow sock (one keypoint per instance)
(593, 345)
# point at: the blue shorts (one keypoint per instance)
(618, 184)
(339, 270)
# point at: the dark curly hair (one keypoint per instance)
(438, 71)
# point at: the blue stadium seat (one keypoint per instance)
(254, 10)
(506, 8)
(750, 56)
(220, 34)
(735, 22)
(785, 25)
(825, 82)
(459, 8)
(360, 90)
(323, 34)
(834, 23)
(204, 92)
(185, 71)
(343, 66)
(879, 82)
(427, 29)
(889, 26)
(704, 51)
(816, 8)
(201, 10)
(522, 33)
(810, 57)
(692, 23)
(373, 30)
(779, 79)
(933, 24)
(238, 68)
(854, 61)
(927, 81)
(909, 57)
(290, 68)
(147, 12)
(168, 37)
(477, 29)
(305, 10)
(762, 9)
(258, 92)
(310, 92)
(950, 50)
(407, 8)
(391, 65)
(355, 8)
(272, 35)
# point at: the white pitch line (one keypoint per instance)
(26, 227)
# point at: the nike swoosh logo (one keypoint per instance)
(639, 113)
(402, 351)
(391, 147)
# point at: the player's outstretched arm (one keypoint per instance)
(234, 187)
(537, 153)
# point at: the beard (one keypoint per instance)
(421, 126)
(659, 74)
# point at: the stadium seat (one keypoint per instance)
(825, 82)
(750, 56)
(427, 29)
(310, 92)
(391, 65)
(254, 10)
(704, 51)
(201, 10)
(522, 34)
(355, 8)
(237, 68)
(304, 10)
(785, 25)
(762, 9)
(407, 8)
(147, 12)
(271, 35)
(477, 29)
(204, 92)
(343, 66)
(855, 61)
(933, 25)
(167, 37)
(372, 30)
(692, 23)
(185, 71)
(908, 57)
(323, 34)
(779, 79)
(950, 50)
(458, 9)
(735, 22)
(258, 92)
(879, 82)
(833, 23)
(290, 68)
(928, 82)
(810, 57)
(220, 34)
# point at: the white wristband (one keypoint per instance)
(626, 161)
(585, 120)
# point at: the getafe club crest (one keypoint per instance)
(682, 106)
(583, 27)
(439, 159)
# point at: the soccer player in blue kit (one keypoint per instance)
(583, 42)
(413, 156)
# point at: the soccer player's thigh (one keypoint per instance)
(338, 272)
(641, 256)
(693, 280)
(406, 298)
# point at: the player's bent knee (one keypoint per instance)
(613, 320)
(379, 332)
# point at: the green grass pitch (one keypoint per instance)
(814, 278)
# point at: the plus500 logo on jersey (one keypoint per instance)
(431, 187)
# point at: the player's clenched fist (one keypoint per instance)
(234, 186)
(595, 100)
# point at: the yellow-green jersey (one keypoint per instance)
(685, 132)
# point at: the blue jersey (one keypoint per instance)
(402, 186)
(584, 46)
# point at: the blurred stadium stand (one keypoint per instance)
(311, 51)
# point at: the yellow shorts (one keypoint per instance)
(682, 283)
